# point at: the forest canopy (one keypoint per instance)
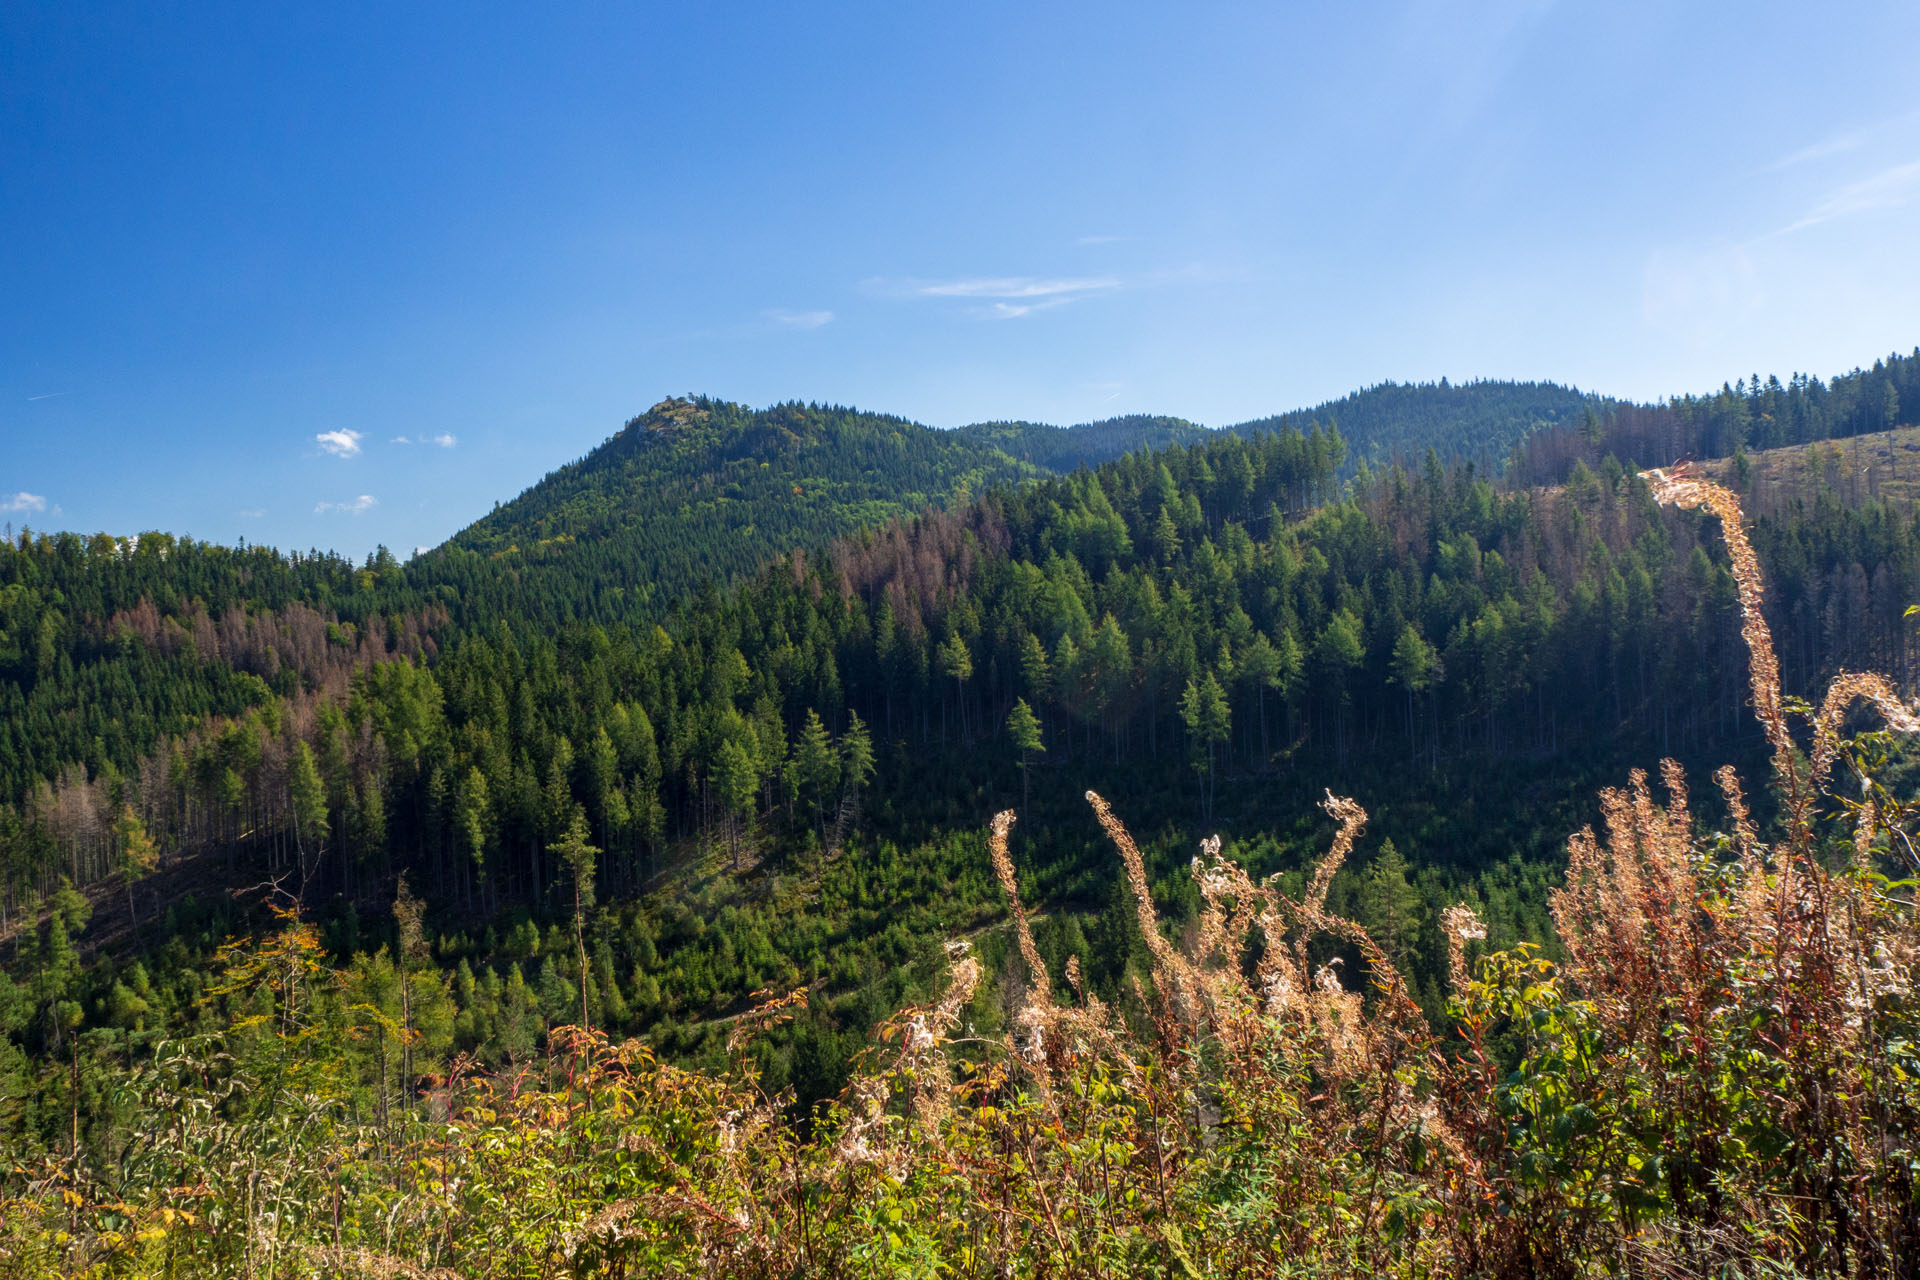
(632, 759)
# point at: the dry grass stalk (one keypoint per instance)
(1750, 893)
(1628, 913)
(1462, 925)
(1688, 493)
(1746, 838)
(1692, 493)
(1233, 906)
(1848, 688)
(923, 1059)
(1351, 818)
(1073, 978)
(1211, 984)
(1169, 967)
(1039, 986)
(1866, 826)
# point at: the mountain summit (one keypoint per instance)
(697, 491)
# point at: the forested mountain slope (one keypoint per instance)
(480, 832)
(1751, 414)
(1478, 422)
(1061, 449)
(1215, 632)
(1200, 631)
(696, 492)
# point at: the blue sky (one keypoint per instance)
(247, 250)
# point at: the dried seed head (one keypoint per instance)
(1462, 924)
(1351, 818)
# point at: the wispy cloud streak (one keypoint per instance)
(1005, 297)
(799, 319)
(1839, 144)
(1888, 189)
(1017, 287)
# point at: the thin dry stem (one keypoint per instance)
(1167, 964)
(1462, 925)
(1763, 666)
(1039, 986)
(1848, 688)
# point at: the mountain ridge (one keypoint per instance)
(698, 490)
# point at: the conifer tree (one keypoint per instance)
(136, 851)
(956, 661)
(573, 849)
(1390, 906)
(816, 766)
(472, 821)
(856, 754)
(1415, 665)
(1204, 711)
(309, 797)
(739, 781)
(1024, 728)
(408, 918)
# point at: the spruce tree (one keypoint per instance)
(1024, 728)
(573, 849)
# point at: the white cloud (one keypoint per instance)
(1888, 189)
(343, 443)
(799, 319)
(1006, 297)
(400, 440)
(354, 507)
(445, 440)
(23, 501)
(1016, 287)
(253, 513)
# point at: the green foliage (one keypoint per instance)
(696, 492)
(1209, 722)
(1478, 422)
(558, 787)
(1750, 414)
(1023, 727)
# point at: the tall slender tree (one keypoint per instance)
(309, 796)
(137, 854)
(1209, 720)
(579, 855)
(1415, 664)
(1024, 728)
